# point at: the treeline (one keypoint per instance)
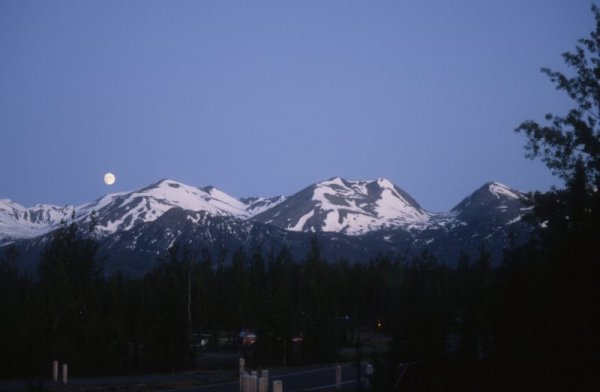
(470, 327)
(530, 323)
(102, 324)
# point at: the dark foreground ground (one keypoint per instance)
(313, 378)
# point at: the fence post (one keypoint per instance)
(369, 374)
(65, 373)
(253, 383)
(264, 374)
(277, 386)
(263, 384)
(242, 374)
(245, 382)
(55, 371)
(338, 377)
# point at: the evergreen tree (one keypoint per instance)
(166, 295)
(70, 280)
(317, 306)
(15, 327)
(553, 285)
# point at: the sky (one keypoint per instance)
(264, 98)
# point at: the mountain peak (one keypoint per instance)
(123, 211)
(492, 196)
(339, 181)
(347, 206)
(498, 189)
(164, 183)
(385, 183)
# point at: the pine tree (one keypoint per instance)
(69, 280)
(554, 312)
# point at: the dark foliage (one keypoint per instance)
(549, 296)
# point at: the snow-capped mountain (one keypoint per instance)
(348, 207)
(492, 203)
(491, 217)
(123, 211)
(18, 222)
(353, 219)
(335, 205)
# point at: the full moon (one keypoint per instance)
(109, 178)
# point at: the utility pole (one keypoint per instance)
(358, 361)
(358, 348)
(189, 299)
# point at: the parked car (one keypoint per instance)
(247, 337)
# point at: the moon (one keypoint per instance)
(109, 178)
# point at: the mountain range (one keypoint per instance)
(354, 220)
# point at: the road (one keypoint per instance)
(294, 380)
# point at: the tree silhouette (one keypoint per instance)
(552, 285)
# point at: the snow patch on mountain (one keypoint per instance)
(300, 225)
(499, 190)
(225, 202)
(257, 205)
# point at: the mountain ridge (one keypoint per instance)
(353, 207)
(352, 219)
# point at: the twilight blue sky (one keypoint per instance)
(262, 98)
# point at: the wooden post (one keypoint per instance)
(65, 373)
(265, 373)
(253, 383)
(242, 374)
(263, 381)
(245, 382)
(369, 374)
(55, 371)
(338, 377)
(263, 384)
(277, 386)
